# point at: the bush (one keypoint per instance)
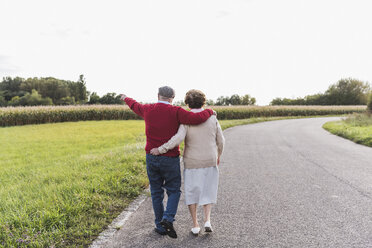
(110, 98)
(32, 99)
(66, 101)
(14, 101)
(94, 98)
(2, 101)
(370, 102)
(359, 119)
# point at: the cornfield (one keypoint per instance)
(14, 116)
(245, 112)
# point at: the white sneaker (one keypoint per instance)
(195, 230)
(208, 227)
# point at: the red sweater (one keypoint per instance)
(163, 120)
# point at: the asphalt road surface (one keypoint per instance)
(284, 183)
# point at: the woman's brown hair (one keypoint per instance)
(195, 98)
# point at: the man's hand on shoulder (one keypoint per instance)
(212, 112)
(122, 97)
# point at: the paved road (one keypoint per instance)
(285, 183)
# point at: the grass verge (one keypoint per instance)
(357, 127)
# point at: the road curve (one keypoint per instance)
(285, 183)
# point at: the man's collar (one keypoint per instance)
(165, 102)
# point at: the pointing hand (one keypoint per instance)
(122, 97)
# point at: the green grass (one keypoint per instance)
(61, 184)
(357, 127)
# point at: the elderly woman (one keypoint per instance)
(203, 148)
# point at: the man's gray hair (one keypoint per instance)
(167, 92)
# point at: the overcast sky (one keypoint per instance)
(265, 48)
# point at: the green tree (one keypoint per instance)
(33, 99)
(210, 102)
(82, 95)
(68, 100)
(3, 102)
(248, 100)
(288, 101)
(53, 88)
(235, 100)
(348, 92)
(277, 101)
(317, 99)
(11, 87)
(94, 98)
(14, 101)
(111, 98)
(369, 105)
(222, 101)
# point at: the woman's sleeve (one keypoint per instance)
(220, 139)
(175, 140)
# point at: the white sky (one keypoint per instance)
(266, 48)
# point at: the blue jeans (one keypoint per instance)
(164, 173)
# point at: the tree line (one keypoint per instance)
(18, 91)
(50, 91)
(227, 101)
(42, 91)
(347, 91)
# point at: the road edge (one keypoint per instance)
(106, 235)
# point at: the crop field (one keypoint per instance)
(14, 116)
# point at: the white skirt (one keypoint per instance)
(201, 185)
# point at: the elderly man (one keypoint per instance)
(162, 122)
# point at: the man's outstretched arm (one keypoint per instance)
(190, 118)
(133, 105)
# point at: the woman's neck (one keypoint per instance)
(195, 110)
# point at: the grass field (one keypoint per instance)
(357, 127)
(62, 183)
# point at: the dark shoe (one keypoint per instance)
(161, 232)
(169, 229)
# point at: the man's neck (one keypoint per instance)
(165, 102)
